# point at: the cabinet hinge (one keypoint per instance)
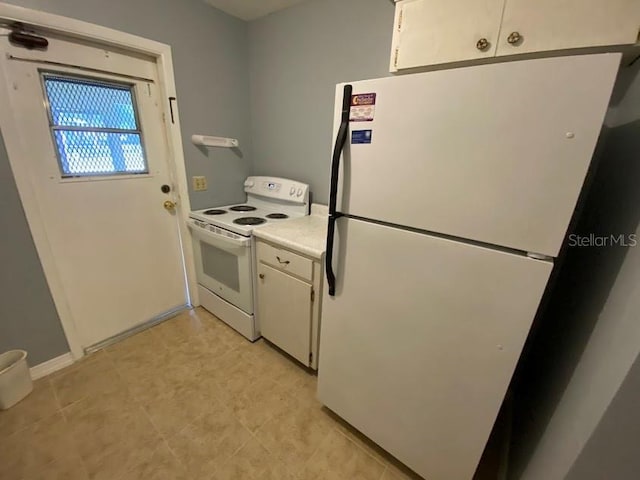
(400, 15)
(313, 295)
(395, 57)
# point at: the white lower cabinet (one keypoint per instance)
(288, 285)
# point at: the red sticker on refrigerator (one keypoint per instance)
(363, 107)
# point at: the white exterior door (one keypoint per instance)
(493, 153)
(419, 344)
(91, 124)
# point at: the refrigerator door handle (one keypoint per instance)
(335, 174)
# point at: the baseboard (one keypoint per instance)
(50, 366)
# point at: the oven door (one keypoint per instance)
(223, 266)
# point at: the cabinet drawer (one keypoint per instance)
(285, 260)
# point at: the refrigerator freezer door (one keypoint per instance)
(421, 339)
(494, 153)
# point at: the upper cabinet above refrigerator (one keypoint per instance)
(544, 25)
(439, 31)
(433, 32)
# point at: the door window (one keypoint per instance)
(95, 126)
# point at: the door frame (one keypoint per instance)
(16, 151)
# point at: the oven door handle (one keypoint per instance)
(215, 239)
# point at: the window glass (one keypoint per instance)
(95, 127)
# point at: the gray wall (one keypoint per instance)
(590, 334)
(210, 54)
(28, 318)
(297, 56)
(612, 450)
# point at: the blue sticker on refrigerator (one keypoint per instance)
(361, 137)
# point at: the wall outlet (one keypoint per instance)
(199, 183)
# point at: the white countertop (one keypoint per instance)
(307, 235)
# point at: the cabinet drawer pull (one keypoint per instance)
(283, 260)
(482, 44)
(514, 38)
(286, 262)
(261, 276)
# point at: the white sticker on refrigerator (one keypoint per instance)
(363, 107)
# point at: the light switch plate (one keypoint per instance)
(199, 183)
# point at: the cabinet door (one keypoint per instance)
(429, 32)
(566, 24)
(284, 304)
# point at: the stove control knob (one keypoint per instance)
(299, 192)
(292, 191)
(249, 183)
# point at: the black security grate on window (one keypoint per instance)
(95, 127)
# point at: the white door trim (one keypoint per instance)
(16, 151)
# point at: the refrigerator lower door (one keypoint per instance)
(421, 339)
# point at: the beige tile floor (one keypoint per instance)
(187, 399)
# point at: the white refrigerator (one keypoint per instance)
(451, 195)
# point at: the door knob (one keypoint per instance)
(514, 37)
(482, 44)
(169, 205)
(261, 276)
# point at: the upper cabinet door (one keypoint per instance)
(545, 25)
(429, 32)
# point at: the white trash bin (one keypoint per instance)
(15, 379)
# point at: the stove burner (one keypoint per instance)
(215, 212)
(243, 208)
(278, 216)
(249, 221)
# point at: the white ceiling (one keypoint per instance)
(251, 9)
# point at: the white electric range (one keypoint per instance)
(223, 246)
